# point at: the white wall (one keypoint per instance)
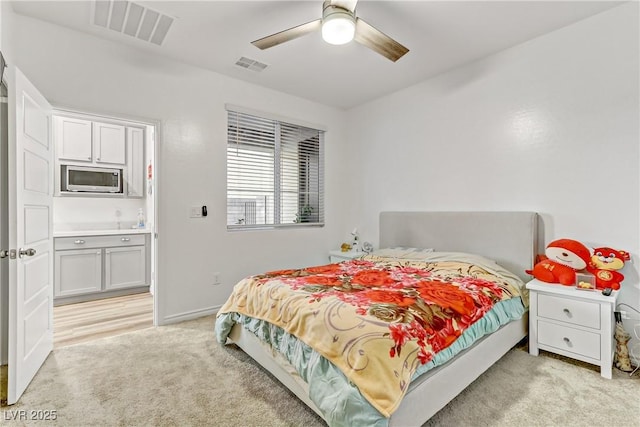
(550, 126)
(87, 73)
(95, 210)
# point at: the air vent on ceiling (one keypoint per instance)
(251, 64)
(130, 18)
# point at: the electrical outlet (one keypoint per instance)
(216, 279)
(624, 314)
(195, 212)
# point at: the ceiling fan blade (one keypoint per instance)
(345, 4)
(286, 35)
(376, 40)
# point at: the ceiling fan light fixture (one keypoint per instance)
(338, 26)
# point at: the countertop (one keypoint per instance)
(73, 230)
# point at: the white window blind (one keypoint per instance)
(274, 173)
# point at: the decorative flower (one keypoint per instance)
(370, 278)
(446, 296)
(322, 280)
(324, 269)
(386, 312)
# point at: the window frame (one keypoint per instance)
(304, 167)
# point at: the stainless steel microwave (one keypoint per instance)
(90, 179)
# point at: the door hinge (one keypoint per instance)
(11, 253)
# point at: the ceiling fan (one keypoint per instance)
(340, 25)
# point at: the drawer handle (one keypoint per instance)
(567, 312)
(125, 239)
(567, 341)
(79, 242)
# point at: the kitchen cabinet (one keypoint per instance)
(124, 267)
(81, 140)
(90, 267)
(78, 272)
(73, 137)
(86, 141)
(109, 143)
(135, 162)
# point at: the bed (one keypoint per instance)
(508, 238)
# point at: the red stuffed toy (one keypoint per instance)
(603, 264)
(564, 258)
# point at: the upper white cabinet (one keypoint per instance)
(84, 141)
(109, 143)
(73, 138)
(135, 162)
(89, 141)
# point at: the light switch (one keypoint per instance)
(195, 212)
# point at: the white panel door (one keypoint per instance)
(30, 233)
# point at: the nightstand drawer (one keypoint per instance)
(581, 313)
(569, 339)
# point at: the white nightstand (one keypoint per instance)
(571, 322)
(339, 256)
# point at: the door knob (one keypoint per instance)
(26, 252)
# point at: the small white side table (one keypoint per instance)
(339, 256)
(574, 323)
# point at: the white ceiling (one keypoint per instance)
(440, 35)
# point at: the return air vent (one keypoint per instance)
(251, 64)
(132, 19)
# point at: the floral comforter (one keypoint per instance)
(376, 319)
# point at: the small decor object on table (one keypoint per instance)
(563, 258)
(603, 265)
(575, 324)
(356, 244)
(585, 282)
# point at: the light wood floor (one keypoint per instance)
(87, 321)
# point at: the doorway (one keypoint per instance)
(104, 250)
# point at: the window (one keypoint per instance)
(274, 173)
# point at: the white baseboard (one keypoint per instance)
(188, 315)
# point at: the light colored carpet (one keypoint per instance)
(179, 376)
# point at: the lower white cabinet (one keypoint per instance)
(96, 265)
(124, 267)
(78, 272)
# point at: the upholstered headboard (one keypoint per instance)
(509, 238)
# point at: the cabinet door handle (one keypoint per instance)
(79, 242)
(125, 239)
